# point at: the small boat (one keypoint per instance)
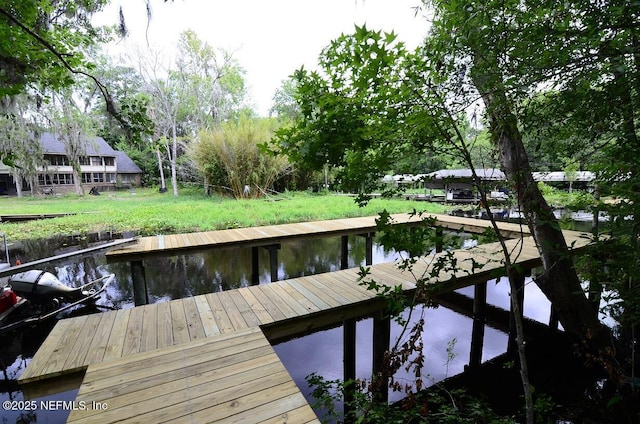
(34, 296)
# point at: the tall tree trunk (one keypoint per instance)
(76, 180)
(559, 282)
(172, 160)
(163, 184)
(18, 179)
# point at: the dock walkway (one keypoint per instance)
(176, 244)
(154, 353)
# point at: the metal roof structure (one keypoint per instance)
(559, 176)
(125, 165)
(485, 174)
(51, 144)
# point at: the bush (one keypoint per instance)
(231, 161)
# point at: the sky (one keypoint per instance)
(270, 39)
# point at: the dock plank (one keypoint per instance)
(350, 289)
(221, 317)
(271, 292)
(304, 288)
(220, 378)
(116, 340)
(255, 305)
(269, 306)
(82, 344)
(96, 351)
(36, 369)
(58, 357)
(194, 322)
(298, 308)
(178, 322)
(149, 336)
(133, 335)
(234, 314)
(300, 298)
(164, 332)
(209, 324)
(318, 285)
(249, 316)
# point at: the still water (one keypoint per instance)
(182, 276)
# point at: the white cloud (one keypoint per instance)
(271, 39)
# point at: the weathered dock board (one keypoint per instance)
(225, 378)
(175, 244)
(31, 217)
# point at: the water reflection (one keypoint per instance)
(322, 352)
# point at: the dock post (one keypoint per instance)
(344, 256)
(519, 276)
(479, 320)
(255, 269)
(273, 261)
(140, 294)
(381, 340)
(439, 239)
(349, 360)
(369, 239)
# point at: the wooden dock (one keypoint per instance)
(176, 244)
(31, 217)
(208, 358)
(231, 377)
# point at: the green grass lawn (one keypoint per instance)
(148, 212)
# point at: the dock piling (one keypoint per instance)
(140, 294)
(349, 359)
(479, 321)
(381, 340)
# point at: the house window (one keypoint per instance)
(62, 179)
(86, 177)
(109, 161)
(96, 161)
(57, 160)
(84, 160)
(44, 180)
(98, 177)
(55, 179)
(111, 177)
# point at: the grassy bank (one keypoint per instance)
(148, 212)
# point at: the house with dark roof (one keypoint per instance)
(101, 167)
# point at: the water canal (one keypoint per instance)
(183, 276)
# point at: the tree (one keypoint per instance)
(44, 45)
(17, 138)
(196, 92)
(42, 42)
(509, 51)
(215, 82)
(75, 128)
(284, 105)
(374, 102)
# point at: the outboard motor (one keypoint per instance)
(40, 286)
